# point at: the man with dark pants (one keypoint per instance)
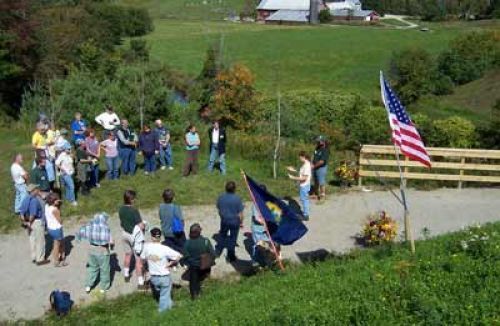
(230, 209)
(39, 177)
(217, 137)
(127, 143)
(320, 167)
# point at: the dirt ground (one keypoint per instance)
(25, 288)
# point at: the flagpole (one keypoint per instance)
(273, 247)
(402, 188)
(402, 185)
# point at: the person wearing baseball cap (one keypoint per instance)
(33, 220)
(160, 258)
(320, 166)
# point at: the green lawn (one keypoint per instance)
(189, 9)
(443, 284)
(298, 57)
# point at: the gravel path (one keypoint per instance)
(25, 288)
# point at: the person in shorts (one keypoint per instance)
(55, 229)
(320, 167)
(129, 218)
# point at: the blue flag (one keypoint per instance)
(284, 223)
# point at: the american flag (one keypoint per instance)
(404, 134)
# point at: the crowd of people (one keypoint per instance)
(70, 162)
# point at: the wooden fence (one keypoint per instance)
(448, 164)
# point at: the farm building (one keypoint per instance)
(348, 14)
(344, 4)
(294, 11)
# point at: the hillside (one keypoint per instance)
(453, 279)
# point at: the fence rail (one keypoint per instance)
(458, 163)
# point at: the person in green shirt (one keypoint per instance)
(39, 176)
(320, 167)
(129, 218)
(194, 248)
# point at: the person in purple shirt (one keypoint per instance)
(150, 147)
(78, 127)
(94, 151)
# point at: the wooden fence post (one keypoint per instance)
(462, 161)
(360, 183)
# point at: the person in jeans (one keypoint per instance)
(83, 166)
(19, 178)
(217, 137)
(320, 167)
(66, 169)
(55, 229)
(304, 179)
(94, 151)
(192, 141)
(160, 258)
(165, 153)
(230, 209)
(129, 218)
(127, 143)
(98, 234)
(110, 147)
(193, 249)
(32, 212)
(150, 146)
(78, 128)
(169, 210)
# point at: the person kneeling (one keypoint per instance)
(160, 258)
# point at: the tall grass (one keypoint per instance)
(443, 284)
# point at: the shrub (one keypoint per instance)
(234, 98)
(415, 73)
(453, 132)
(325, 16)
(470, 55)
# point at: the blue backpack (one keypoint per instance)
(61, 302)
(177, 223)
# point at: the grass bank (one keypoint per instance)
(452, 280)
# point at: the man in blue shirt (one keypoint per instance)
(32, 212)
(230, 209)
(78, 127)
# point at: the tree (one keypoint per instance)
(414, 71)
(234, 98)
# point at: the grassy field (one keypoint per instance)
(443, 284)
(298, 57)
(189, 9)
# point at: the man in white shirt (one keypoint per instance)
(19, 177)
(66, 168)
(160, 258)
(108, 119)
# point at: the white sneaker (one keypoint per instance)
(126, 273)
(101, 291)
(74, 203)
(146, 173)
(163, 167)
(140, 281)
(98, 185)
(170, 168)
(87, 289)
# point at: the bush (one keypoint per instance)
(453, 132)
(82, 91)
(415, 73)
(469, 56)
(325, 16)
